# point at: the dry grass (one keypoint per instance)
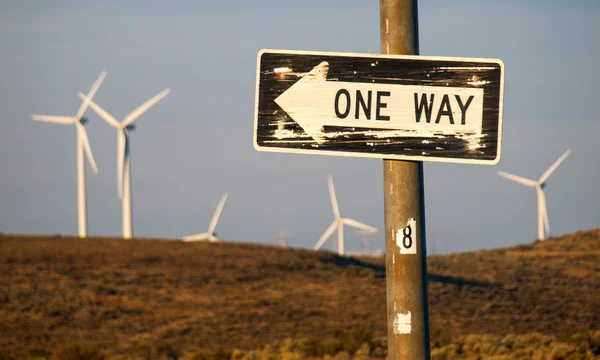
(123, 295)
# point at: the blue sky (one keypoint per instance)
(197, 142)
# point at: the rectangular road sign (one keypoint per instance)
(379, 106)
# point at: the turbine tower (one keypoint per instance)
(83, 146)
(210, 235)
(365, 241)
(123, 152)
(539, 185)
(339, 222)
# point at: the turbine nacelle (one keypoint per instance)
(543, 185)
(130, 127)
(84, 120)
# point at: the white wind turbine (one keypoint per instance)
(123, 152)
(83, 145)
(210, 234)
(282, 238)
(339, 222)
(539, 185)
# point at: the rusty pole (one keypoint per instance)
(406, 274)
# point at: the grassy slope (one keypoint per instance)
(198, 295)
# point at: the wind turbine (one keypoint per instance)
(539, 185)
(210, 235)
(123, 152)
(339, 222)
(282, 238)
(83, 146)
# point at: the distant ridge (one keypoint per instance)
(57, 289)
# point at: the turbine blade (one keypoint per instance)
(519, 179)
(358, 225)
(145, 106)
(326, 234)
(84, 141)
(121, 146)
(65, 120)
(90, 95)
(196, 237)
(554, 166)
(334, 203)
(217, 214)
(101, 112)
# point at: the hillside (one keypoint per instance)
(117, 294)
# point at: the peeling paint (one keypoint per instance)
(476, 81)
(465, 68)
(402, 323)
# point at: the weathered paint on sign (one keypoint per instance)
(382, 106)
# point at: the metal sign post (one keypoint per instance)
(405, 247)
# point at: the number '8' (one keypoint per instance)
(407, 239)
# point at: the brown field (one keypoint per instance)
(122, 296)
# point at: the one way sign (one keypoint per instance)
(382, 106)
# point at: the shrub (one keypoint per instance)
(330, 346)
(440, 338)
(595, 342)
(355, 338)
(237, 354)
(143, 350)
(306, 346)
(291, 356)
(508, 341)
(531, 339)
(77, 352)
(252, 355)
(586, 341)
(342, 356)
(5, 355)
(447, 352)
(380, 350)
(165, 348)
(35, 352)
(561, 351)
(214, 354)
(363, 353)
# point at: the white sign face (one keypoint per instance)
(395, 107)
(406, 238)
(313, 103)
